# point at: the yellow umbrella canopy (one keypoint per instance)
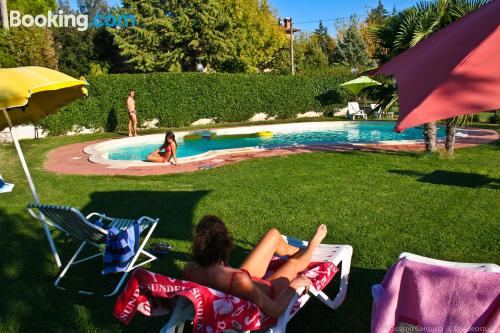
(30, 93)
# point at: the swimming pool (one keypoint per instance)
(284, 135)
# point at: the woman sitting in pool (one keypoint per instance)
(209, 267)
(167, 150)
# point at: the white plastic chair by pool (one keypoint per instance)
(354, 111)
(377, 110)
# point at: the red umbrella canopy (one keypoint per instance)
(454, 72)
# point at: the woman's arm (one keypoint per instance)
(173, 148)
(157, 150)
(244, 287)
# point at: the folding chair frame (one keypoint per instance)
(102, 217)
(184, 310)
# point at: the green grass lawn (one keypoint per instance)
(380, 203)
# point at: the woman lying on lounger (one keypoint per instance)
(212, 246)
(166, 151)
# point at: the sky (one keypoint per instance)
(303, 12)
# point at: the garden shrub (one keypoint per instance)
(178, 99)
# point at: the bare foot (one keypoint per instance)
(319, 235)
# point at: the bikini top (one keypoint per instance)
(165, 148)
(242, 270)
(254, 279)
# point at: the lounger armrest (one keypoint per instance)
(483, 267)
(344, 258)
(287, 315)
(148, 220)
(99, 217)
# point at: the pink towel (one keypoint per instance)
(215, 311)
(428, 298)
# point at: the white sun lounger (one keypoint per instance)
(336, 254)
(354, 110)
(378, 290)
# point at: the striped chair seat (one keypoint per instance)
(93, 229)
(71, 221)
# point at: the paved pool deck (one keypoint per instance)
(71, 159)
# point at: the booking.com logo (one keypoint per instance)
(61, 20)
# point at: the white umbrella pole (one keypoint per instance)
(32, 187)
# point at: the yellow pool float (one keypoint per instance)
(266, 134)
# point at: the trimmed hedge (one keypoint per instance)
(182, 98)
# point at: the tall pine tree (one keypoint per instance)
(149, 46)
(203, 32)
(224, 35)
(326, 42)
(375, 18)
(351, 48)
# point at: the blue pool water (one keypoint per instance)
(362, 132)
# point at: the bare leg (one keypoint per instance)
(168, 156)
(130, 125)
(134, 122)
(298, 263)
(155, 157)
(257, 261)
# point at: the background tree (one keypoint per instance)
(32, 6)
(309, 55)
(225, 35)
(204, 31)
(351, 49)
(80, 51)
(326, 42)
(74, 48)
(259, 38)
(92, 7)
(375, 18)
(149, 46)
(23, 46)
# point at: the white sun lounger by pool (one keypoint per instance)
(336, 254)
(354, 110)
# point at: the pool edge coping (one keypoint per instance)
(97, 155)
(70, 159)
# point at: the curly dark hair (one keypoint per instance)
(212, 242)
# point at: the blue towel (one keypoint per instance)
(121, 246)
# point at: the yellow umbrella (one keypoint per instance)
(31, 93)
(27, 94)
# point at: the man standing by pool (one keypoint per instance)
(132, 119)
